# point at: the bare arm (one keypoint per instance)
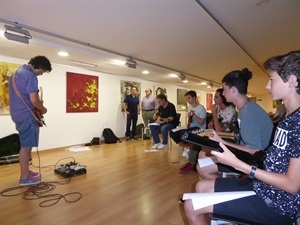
(37, 103)
(244, 148)
(139, 109)
(275, 179)
(125, 108)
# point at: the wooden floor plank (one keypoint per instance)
(123, 185)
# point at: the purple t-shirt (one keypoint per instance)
(26, 82)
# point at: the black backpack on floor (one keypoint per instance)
(109, 136)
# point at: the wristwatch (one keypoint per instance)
(252, 172)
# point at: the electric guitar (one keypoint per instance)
(38, 115)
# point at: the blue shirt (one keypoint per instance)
(26, 82)
(132, 103)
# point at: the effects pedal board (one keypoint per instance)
(70, 169)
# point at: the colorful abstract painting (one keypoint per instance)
(209, 101)
(6, 70)
(82, 93)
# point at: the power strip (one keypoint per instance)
(70, 169)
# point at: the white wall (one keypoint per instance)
(266, 102)
(64, 129)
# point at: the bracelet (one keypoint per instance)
(252, 172)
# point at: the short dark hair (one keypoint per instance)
(285, 65)
(162, 97)
(192, 93)
(40, 62)
(134, 87)
(238, 79)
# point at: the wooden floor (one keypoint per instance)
(123, 185)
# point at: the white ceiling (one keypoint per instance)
(203, 39)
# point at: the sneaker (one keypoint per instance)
(181, 201)
(187, 168)
(156, 145)
(161, 146)
(185, 152)
(30, 181)
(134, 138)
(34, 174)
(127, 138)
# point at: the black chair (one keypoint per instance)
(178, 123)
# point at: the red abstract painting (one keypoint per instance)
(209, 101)
(82, 93)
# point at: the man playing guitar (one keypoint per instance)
(24, 98)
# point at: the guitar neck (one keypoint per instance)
(41, 93)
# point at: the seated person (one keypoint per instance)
(196, 120)
(165, 118)
(254, 123)
(277, 186)
(223, 113)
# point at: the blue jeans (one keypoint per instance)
(164, 130)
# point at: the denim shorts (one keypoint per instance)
(28, 132)
(252, 208)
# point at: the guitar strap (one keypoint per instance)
(20, 96)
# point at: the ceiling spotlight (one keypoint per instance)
(182, 76)
(17, 33)
(210, 85)
(131, 63)
(185, 81)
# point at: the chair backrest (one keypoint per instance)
(177, 119)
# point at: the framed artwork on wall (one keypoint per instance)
(125, 87)
(6, 70)
(82, 93)
(209, 101)
(181, 101)
(160, 90)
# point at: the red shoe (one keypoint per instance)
(187, 168)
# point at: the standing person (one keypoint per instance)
(24, 82)
(148, 105)
(277, 185)
(165, 119)
(196, 120)
(254, 123)
(131, 108)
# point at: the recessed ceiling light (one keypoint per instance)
(203, 83)
(145, 72)
(118, 62)
(185, 81)
(173, 75)
(62, 53)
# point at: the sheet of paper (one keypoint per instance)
(179, 128)
(201, 200)
(151, 150)
(78, 148)
(154, 124)
(207, 161)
